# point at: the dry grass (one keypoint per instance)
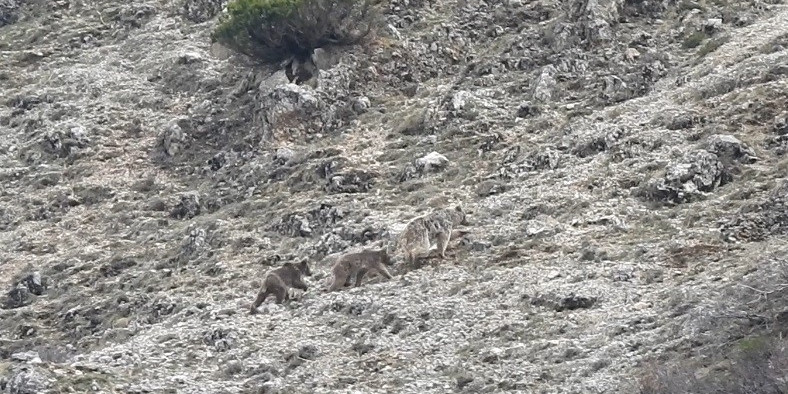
(756, 365)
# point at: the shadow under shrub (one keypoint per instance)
(276, 30)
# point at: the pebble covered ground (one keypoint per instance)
(623, 166)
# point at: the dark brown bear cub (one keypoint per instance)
(279, 280)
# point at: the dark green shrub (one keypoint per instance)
(274, 30)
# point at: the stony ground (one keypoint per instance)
(623, 164)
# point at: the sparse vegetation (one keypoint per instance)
(711, 46)
(693, 40)
(274, 30)
(756, 362)
(754, 365)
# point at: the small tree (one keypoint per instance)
(274, 30)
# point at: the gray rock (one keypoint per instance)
(29, 357)
(173, 139)
(759, 220)
(528, 109)
(35, 284)
(188, 206)
(134, 14)
(712, 25)
(730, 149)
(361, 105)
(306, 224)
(192, 244)
(781, 124)
(17, 297)
(67, 143)
(564, 303)
(697, 173)
(324, 59)
(432, 162)
(545, 85)
(283, 155)
(275, 80)
(8, 12)
(27, 380)
(199, 11)
(351, 181)
(289, 108)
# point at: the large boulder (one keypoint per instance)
(689, 179)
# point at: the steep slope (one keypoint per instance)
(623, 163)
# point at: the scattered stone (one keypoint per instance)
(545, 85)
(29, 357)
(361, 105)
(288, 108)
(220, 338)
(712, 25)
(759, 221)
(8, 12)
(781, 124)
(324, 59)
(68, 143)
(27, 380)
(697, 173)
(34, 283)
(489, 188)
(25, 290)
(307, 224)
(188, 206)
(528, 110)
(412, 124)
(352, 181)
(283, 155)
(567, 303)
(199, 11)
(728, 148)
(135, 15)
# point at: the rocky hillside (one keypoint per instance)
(623, 163)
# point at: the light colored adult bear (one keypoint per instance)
(417, 238)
